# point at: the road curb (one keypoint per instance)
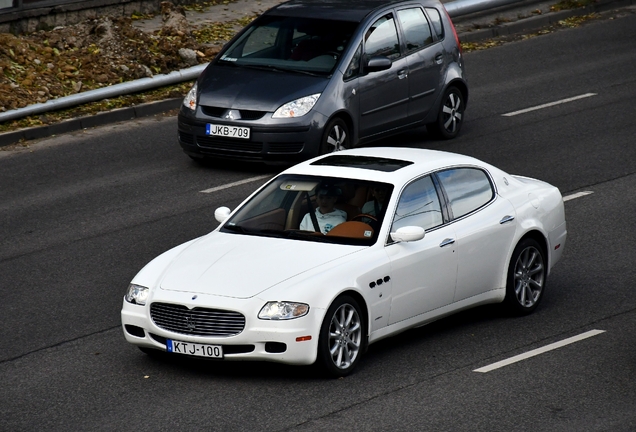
(99, 119)
(541, 21)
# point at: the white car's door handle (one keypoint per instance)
(507, 218)
(447, 242)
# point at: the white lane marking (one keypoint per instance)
(538, 351)
(238, 183)
(538, 107)
(577, 195)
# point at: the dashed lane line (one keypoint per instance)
(577, 195)
(539, 351)
(538, 107)
(237, 183)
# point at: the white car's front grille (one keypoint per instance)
(197, 321)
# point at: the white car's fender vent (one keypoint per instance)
(197, 321)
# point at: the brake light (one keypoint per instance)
(459, 45)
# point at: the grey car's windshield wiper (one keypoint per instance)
(268, 67)
(299, 71)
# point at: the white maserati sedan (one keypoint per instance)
(346, 249)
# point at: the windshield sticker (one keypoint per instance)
(230, 59)
(367, 233)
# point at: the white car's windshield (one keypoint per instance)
(310, 208)
(305, 45)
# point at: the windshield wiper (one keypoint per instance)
(269, 67)
(238, 229)
(299, 71)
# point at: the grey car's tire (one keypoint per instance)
(343, 337)
(336, 137)
(450, 116)
(527, 276)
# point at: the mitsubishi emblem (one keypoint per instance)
(233, 115)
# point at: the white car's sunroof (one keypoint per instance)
(365, 162)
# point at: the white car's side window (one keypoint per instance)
(418, 206)
(467, 189)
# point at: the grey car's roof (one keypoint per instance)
(345, 10)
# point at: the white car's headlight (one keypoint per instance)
(190, 101)
(137, 294)
(297, 108)
(283, 310)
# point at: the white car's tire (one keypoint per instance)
(527, 276)
(343, 337)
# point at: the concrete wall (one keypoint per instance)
(27, 20)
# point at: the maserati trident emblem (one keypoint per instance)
(190, 324)
(232, 115)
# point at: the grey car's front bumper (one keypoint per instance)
(271, 140)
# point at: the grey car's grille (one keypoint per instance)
(221, 112)
(229, 144)
(197, 321)
(286, 147)
(186, 138)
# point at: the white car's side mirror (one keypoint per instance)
(221, 214)
(408, 234)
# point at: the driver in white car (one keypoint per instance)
(326, 215)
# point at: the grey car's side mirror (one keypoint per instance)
(221, 214)
(378, 63)
(408, 234)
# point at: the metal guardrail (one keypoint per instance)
(454, 8)
(20, 5)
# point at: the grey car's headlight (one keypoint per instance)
(190, 101)
(283, 310)
(137, 294)
(297, 108)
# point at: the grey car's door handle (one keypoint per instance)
(447, 242)
(402, 74)
(507, 218)
(439, 58)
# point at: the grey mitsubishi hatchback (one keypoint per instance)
(315, 76)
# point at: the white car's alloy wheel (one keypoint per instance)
(342, 336)
(526, 277)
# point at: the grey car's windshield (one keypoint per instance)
(291, 44)
(310, 208)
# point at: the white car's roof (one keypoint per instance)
(419, 161)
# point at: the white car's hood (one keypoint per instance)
(241, 266)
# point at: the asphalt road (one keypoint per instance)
(81, 214)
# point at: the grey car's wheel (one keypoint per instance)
(342, 337)
(527, 275)
(450, 116)
(336, 137)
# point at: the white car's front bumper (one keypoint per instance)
(261, 340)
